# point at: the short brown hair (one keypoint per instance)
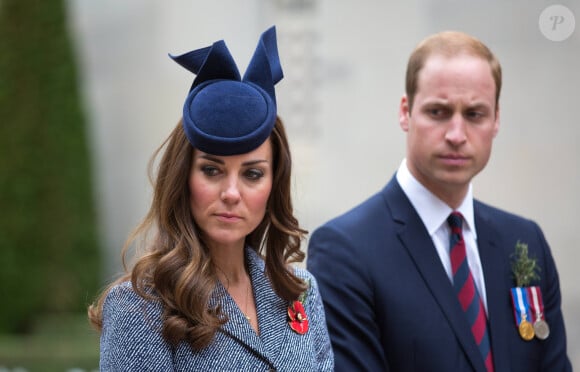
(448, 44)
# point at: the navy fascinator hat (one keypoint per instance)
(224, 114)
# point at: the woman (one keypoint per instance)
(214, 289)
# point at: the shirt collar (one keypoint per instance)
(432, 210)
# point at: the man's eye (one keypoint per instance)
(436, 112)
(474, 115)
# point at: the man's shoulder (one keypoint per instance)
(489, 211)
(362, 212)
(369, 207)
(504, 221)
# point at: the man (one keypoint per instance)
(419, 277)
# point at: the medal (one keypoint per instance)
(526, 330)
(541, 328)
(522, 313)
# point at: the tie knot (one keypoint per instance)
(455, 220)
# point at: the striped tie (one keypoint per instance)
(465, 289)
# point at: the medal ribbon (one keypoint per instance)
(537, 305)
(521, 305)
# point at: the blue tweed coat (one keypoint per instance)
(131, 339)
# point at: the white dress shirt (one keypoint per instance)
(434, 212)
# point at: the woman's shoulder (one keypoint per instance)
(308, 278)
(132, 337)
(122, 292)
(127, 312)
(302, 273)
(123, 298)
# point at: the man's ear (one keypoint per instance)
(496, 123)
(404, 113)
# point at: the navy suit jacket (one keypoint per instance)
(390, 306)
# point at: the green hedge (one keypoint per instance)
(49, 254)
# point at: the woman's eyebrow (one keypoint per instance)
(254, 162)
(212, 158)
(221, 161)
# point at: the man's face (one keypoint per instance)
(452, 123)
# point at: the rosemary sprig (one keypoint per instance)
(524, 268)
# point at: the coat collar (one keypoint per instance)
(271, 310)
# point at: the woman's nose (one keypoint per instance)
(230, 192)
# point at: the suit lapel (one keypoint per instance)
(418, 243)
(494, 266)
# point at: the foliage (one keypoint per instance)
(58, 343)
(49, 256)
(524, 268)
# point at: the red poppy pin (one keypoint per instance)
(298, 320)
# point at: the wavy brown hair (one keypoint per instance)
(176, 267)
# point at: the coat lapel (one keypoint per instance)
(270, 308)
(418, 243)
(237, 327)
(494, 266)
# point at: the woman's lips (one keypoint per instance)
(228, 217)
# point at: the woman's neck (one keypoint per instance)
(230, 264)
(231, 271)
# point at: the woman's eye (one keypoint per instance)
(209, 171)
(254, 174)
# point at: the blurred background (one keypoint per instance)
(87, 93)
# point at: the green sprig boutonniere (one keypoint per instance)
(524, 268)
